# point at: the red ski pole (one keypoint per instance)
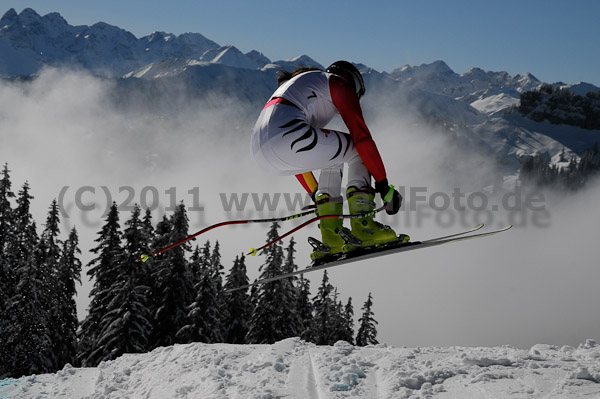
(144, 258)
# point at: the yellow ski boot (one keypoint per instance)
(336, 238)
(366, 229)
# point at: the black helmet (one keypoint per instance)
(348, 71)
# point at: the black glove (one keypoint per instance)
(390, 196)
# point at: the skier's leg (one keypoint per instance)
(358, 174)
(330, 181)
(361, 198)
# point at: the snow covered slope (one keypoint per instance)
(295, 369)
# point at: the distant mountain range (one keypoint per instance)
(29, 41)
(473, 105)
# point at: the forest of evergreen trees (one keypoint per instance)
(537, 170)
(561, 106)
(135, 307)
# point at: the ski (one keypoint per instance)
(471, 230)
(368, 253)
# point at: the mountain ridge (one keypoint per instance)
(471, 106)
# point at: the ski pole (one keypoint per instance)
(254, 251)
(144, 258)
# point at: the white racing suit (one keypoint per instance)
(289, 137)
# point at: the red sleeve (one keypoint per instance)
(347, 104)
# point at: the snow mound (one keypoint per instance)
(293, 368)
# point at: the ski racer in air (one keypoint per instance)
(290, 138)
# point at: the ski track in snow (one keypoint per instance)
(294, 369)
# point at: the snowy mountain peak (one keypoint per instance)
(56, 18)
(29, 18)
(157, 37)
(579, 88)
(527, 78)
(440, 67)
(436, 68)
(110, 31)
(9, 17)
(258, 57)
(301, 61)
(28, 15)
(229, 55)
(196, 40)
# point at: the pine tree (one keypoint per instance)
(324, 307)
(48, 256)
(6, 211)
(203, 321)
(304, 309)
(27, 332)
(338, 323)
(205, 262)
(145, 239)
(104, 269)
(291, 319)
(160, 240)
(367, 332)
(174, 292)
(208, 314)
(124, 327)
(7, 273)
(217, 276)
(147, 229)
(290, 263)
(238, 303)
(348, 332)
(195, 266)
(138, 237)
(267, 324)
(341, 323)
(49, 252)
(68, 273)
(215, 261)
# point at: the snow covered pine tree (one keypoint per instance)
(367, 332)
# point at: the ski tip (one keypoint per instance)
(144, 258)
(252, 252)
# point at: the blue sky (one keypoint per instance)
(554, 40)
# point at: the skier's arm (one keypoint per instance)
(347, 104)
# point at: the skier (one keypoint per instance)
(290, 138)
